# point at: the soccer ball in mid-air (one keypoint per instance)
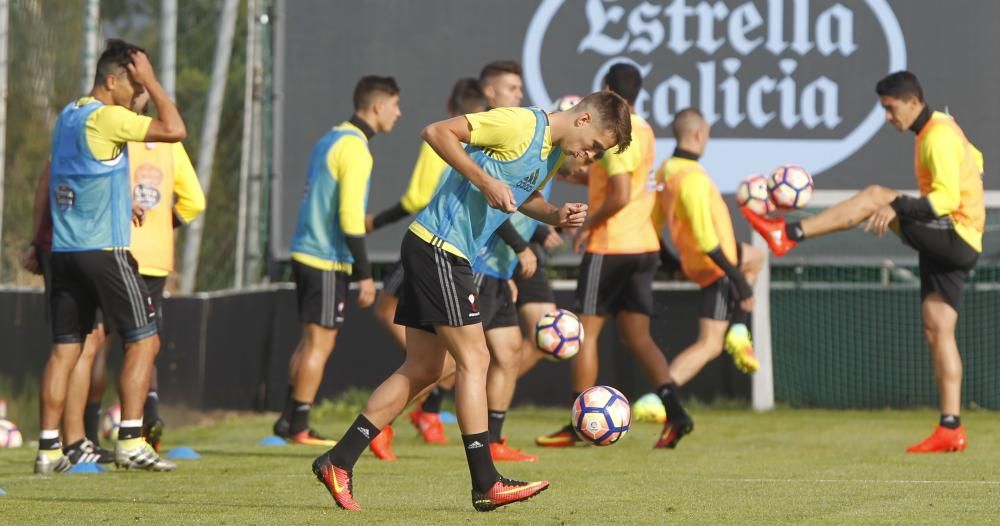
(790, 187)
(601, 415)
(110, 421)
(753, 195)
(559, 335)
(649, 408)
(565, 102)
(10, 436)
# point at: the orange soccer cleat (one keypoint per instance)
(338, 481)
(501, 452)
(564, 437)
(506, 491)
(772, 230)
(942, 440)
(309, 437)
(429, 425)
(381, 445)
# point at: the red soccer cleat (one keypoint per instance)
(772, 230)
(565, 437)
(506, 491)
(673, 432)
(942, 440)
(501, 452)
(338, 482)
(429, 425)
(381, 445)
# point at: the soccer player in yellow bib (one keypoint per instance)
(511, 153)
(700, 227)
(160, 173)
(329, 246)
(944, 225)
(466, 97)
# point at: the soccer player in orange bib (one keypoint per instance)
(944, 225)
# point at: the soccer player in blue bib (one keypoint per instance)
(91, 207)
(497, 174)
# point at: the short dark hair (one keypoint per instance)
(686, 122)
(116, 57)
(901, 85)
(499, 67)
(624, 79)
(611, 112)
(371, 85)
(466, 96)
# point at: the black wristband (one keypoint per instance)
(389, 215)
(743, 288)
(668, 261)
(541, 233)
(362, 268)
(913, 208)
(509, 235)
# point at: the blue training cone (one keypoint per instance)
(183, 453)
(87, 468)
(2, 492)
(273, 440)
(448, 418)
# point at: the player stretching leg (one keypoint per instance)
(498, 174)
(944, 225)
(466, 97)
(702, 231)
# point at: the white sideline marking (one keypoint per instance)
(865, 481)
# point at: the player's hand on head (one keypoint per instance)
(528, 261)
(572, 214)
(366, 293)
(880, 221)
(499, 196)
(141, 69)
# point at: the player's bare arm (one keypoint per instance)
(168, 126)
(568, 215)
(446, 138)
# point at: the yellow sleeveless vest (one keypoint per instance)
(151, 166)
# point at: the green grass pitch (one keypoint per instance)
(739, 467)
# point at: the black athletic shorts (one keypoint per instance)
(609, 283)
(945, 258)
(83, 281)
(321, 295)
(495, 302)
(719, 300)
(391, 284)
(155, 286)
(438, 290)
(535, 289)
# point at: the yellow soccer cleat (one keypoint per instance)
(739, 345)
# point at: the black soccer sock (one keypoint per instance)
(286, 413)
(496, 419)
(477, 452)
(92, 421)
(300, 416)
(794, 231)
(432, 404)
(151, 409)
(76, 444)
(951, 421)
(49, 440)
(668, 394)
(129, 429)
(361, 433)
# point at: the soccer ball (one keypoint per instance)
(110, 421)
(10, 436)
(753, 194)
(790, 187)
(565, 102)
(649, 408)
(559, 335)
(601, 415)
